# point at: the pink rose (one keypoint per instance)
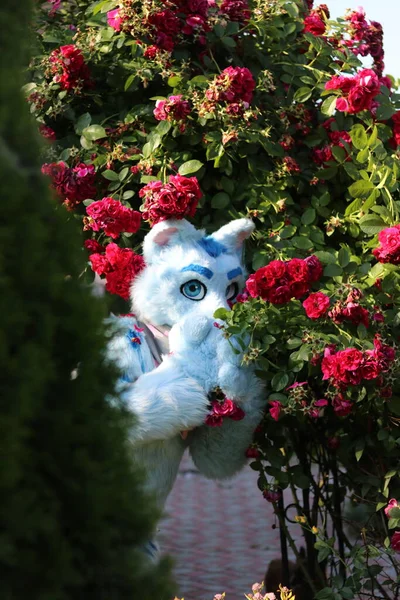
(275, 409)
(342, 104)
(391, 504)
(114, 20)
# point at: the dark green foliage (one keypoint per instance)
(71, 504)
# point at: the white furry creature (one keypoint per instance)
(187, 277)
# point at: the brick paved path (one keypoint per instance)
(220, 534)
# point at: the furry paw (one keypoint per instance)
(189, 332)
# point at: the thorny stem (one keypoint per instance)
(293, 547)
(338, 516)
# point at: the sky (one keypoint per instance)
(387, 12)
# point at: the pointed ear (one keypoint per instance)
(165, 235)
(233, 234)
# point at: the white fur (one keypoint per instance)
(173, 398)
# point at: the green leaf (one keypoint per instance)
(325, 257)
(359, 137)
(373, 137)
(228, 42)
(339, 153)
(328, 106)
(384, 112)
(279, 381)
(83, 122)
(199, 79)
(343, 257)
(94, 132)
(220, 200)
(110, 175)
(302, 242)
(353, 207)
(308, 216)
(147, 150)
(129, 81)
(370, 201)
(123, 173)
(326, 593)
(371, 224)
(333, 271)
(302, 94)
(191, 166)
(221, 313)
(361, 188)
(163, 127)
(174, 81)
(293, 343)
(287, 232)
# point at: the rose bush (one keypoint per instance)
(210, 110)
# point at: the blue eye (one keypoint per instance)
(194, 290)
(232, 291)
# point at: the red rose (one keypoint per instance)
(99, 263)
(316, 305)
(395, 541)
(234, 84)
(252, 287)
(225, 409)
(213, 420)
(176, 199)
(322, 155)
(291, 165)
(238, 414)
(125, 266)
(73, 185)
(339, 82)
(93, 246)
(120, 266)
(297, 270)
(315, 268)
(370, 369)
(165, 21)
(172, 109)
(47, 132)
(252, 452)
(112, 217)
(314, 24)
(356, 314)
(358, 99)
(299, 289)
(351, 358)
(341, 406)
(331, 368)
(69, 68)
(271, 496)
(236, 10)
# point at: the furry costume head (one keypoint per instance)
(187, 271)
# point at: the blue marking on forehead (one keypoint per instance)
(199, 269)
(234, 273)
(212, 247)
